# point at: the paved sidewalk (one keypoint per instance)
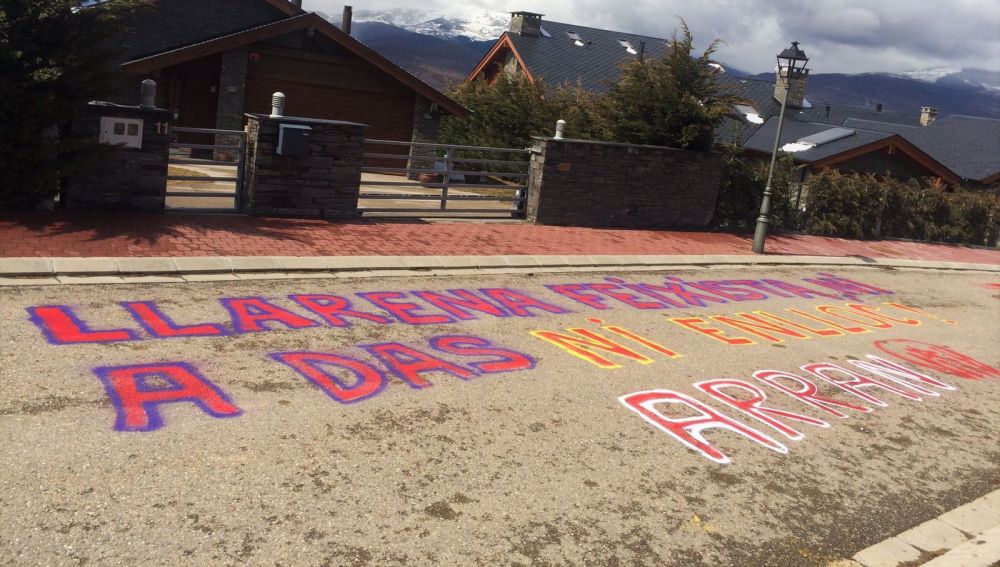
(175, 235)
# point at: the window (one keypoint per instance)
(577, 40)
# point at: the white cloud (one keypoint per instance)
(840, 36)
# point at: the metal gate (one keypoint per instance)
(443, 180)
(205, 170)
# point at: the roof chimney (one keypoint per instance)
(345, 20)
(297, 3)
(527, 24)
(796, 87)
(928, 114)
(878, 107)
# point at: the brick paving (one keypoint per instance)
(133, 234)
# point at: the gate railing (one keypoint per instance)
(452, 166)
(221, 148)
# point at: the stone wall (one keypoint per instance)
(123, 178)
(583, 183)
(323, 184)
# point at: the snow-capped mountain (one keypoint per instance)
(444, 48)
(476, 26)
(989, 80)
(928, 75)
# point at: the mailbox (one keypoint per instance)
(121, 131)
(293, 140)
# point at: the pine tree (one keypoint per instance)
(671, 100)
(54, 57)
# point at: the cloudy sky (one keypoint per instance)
(840, 36)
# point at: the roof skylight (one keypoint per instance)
(827, 136)
(628, 46)
(544, 32)
(818, 139)
(577, 40)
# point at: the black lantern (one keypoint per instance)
(792, 61)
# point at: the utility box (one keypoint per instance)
(119, 131)
(293, 140)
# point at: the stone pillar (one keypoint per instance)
(123, 177)
(232, 97)
(426, 120)
(584, 183)
(323, 183)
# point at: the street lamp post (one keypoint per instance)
(791, 65)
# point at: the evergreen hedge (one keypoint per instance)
(860, 206)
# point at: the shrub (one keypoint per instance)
(742, 189)
(866, 206)
(845, 205)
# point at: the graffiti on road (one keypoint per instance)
(357, 373)
(748, 399)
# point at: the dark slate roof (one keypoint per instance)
(760, 94)
(900, 129)
(967, 145)
(838, 115)
(170, 24)
(557, 60)
(762, 139)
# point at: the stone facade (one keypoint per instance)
(600, 184)
(796, 87)
(324, 183)
(232, 88)
(123, 178)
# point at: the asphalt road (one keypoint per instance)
(480, 441)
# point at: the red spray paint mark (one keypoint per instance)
(939, 358)
(137, 401)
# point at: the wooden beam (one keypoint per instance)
(503, 42)
(890, 144)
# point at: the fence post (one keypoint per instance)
(560, 128)
(447, 178)
(241, 160)
(148, 91)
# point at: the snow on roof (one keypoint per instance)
(796, 147)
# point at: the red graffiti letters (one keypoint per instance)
(136, 398)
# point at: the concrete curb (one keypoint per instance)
(968, 536)
(191, 265)
(48, 271)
